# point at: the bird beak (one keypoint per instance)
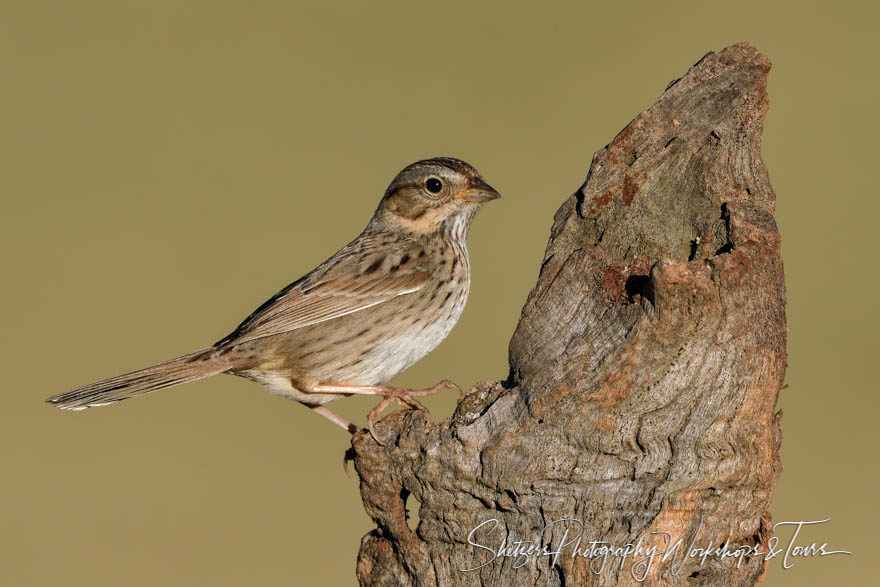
(478, 192)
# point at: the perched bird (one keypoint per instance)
(349, 326)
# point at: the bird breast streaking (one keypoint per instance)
(350, 325)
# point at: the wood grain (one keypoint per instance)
(643, 373)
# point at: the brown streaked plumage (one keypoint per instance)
(350, 325)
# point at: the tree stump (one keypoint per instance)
(643, 374)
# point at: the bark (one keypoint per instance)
(643, 373)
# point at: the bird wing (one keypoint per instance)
(352, 280)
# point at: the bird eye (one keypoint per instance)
(433, 185)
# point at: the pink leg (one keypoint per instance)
(340, 421)
(335, 418)
(404, 397)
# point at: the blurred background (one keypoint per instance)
(165, 166)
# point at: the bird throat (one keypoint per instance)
(455, 227)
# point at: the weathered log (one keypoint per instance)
(643, 373)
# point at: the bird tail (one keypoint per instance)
(197, 365)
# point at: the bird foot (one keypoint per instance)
(406, 398)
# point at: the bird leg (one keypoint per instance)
(404, 397)
(339, 421)
(335, 418)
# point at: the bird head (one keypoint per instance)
(430, 194)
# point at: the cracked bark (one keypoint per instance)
(643, 373)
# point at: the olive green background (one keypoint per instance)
(165, 166)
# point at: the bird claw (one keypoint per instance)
(451, 385)
(374, 413)
(347, 458)
(406, 398)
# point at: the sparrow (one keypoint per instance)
(350, 325)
